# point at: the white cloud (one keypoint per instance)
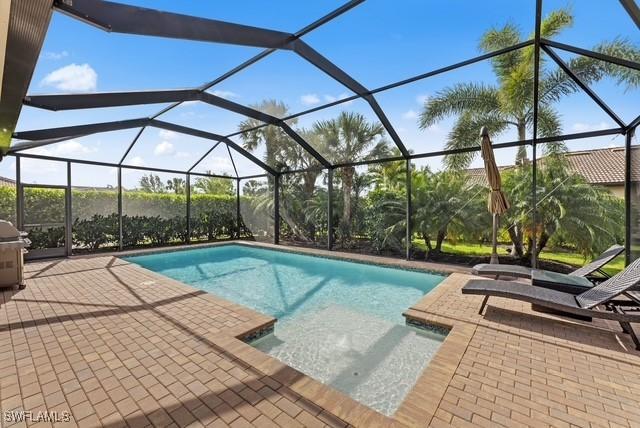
(38, 166)
(183, 155)
(72, 77)
(422, 98)
(164, 148)
(410, 115)
(167, 135)
(218, 165)
(332, 98)
(66, 149)
(224, 94)
(310, 99)
(72, 147)
(55, 55)
(136, 161)
(585, 127)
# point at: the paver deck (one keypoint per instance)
(117, 345)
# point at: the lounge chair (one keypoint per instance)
(633, 295)
(596, 302)
(497, 270)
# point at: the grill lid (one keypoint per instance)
(11, 239)
(8, 232)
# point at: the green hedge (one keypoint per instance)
(148, 218)
(8, 203)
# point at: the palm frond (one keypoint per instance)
(500, 38)
(549, 125)
(620, 48)
(466, 134)
(557, 84)
(555, 22)
(351, 137)
(463, 97)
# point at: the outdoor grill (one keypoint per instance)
(13, 245)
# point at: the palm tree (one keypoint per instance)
(177, 185)
(391, 176)
(280, 151)
(589, 215)
(293, 203)
(302, 159)
(275, 140)
(254, 188)
(152, 184)
(347, 138)
(509, 104)
(444, 201)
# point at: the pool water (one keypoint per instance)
(338, 322)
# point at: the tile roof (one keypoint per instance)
(4, 181)
(599, 166)
(478, 176)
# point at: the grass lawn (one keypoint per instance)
(573, 259)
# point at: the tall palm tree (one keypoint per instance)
(347, 138)
(274, 139)
(280, 151)
(509, 103)
(303, 160)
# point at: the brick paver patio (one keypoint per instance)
(117, 345)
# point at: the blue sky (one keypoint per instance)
(377, 43)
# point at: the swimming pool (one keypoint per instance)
(339, 322)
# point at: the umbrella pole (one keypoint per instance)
(494, 249)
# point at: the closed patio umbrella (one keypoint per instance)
(497, 203)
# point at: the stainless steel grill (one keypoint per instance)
(13, 244)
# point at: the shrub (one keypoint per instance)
(161, 231)
(96, 231)
(212, 216)
(385, 210)
(150, 218)
(8, 203)
(133, 230)
(51, 237)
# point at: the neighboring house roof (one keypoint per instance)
(478, 175)
(598, 166)
(4, 181)
(603, 166)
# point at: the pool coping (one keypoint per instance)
(422, 400)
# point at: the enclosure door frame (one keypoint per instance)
(42, 253)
